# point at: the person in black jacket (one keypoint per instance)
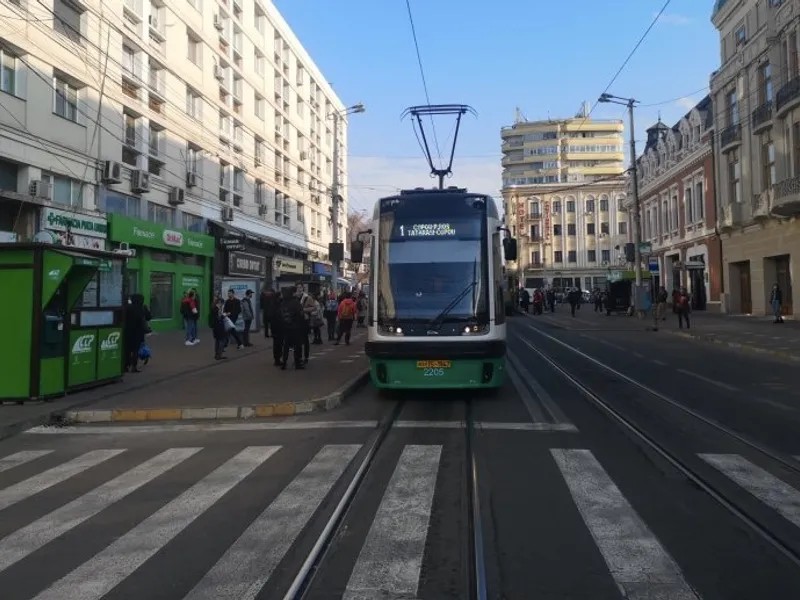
(136, 326)
(292, 326)
(232, 309)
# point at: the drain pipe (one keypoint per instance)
(716, 220)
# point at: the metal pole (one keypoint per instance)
(335, 199)
(637, 213)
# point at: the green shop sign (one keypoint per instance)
(161, 237)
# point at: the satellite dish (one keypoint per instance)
(45, 237)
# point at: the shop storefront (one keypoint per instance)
(245, 271)
(288, 271)
(167, 263)
(77, 230)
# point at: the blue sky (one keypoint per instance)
(495, 56)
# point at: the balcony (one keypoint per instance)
(788, 96)
(536, 265)
(133, 8)
(786, 197)
(761, 118)
(731, 216)
(730, 136)
(762, 204)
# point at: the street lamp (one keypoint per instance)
(335, 196)
(630, 103)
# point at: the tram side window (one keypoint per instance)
(497, 262)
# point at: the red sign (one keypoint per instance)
(547, 221)
(521, 209)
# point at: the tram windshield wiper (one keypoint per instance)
(437, 321)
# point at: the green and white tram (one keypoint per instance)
(437, 315)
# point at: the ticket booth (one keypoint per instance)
(63, 313)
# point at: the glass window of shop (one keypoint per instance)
(163, 257)
(122, 205)
(160, 214)
(161, 295)
(193, 223)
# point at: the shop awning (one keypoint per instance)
(227, 229)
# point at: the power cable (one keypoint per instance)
(422, 73)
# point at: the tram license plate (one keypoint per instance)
(434, 364)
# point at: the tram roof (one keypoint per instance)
(451, 191)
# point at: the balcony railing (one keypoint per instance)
(731, 135)
(787, 94)
(762, 115)
(786, 197)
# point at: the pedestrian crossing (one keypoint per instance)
(390, 560)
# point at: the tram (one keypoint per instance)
(437, 316)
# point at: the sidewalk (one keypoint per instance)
(246, 388)
(754, 334)
(165, 379)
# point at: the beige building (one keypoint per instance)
(756, 94)
(563, 194)
(174, 112)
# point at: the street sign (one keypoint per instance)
(645, 248)
(652, 264)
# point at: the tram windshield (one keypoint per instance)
(429, 263)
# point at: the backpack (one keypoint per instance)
(348, 310)
(287, 316)
(331, 305)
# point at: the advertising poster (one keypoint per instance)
(240, 286)
(82, 356)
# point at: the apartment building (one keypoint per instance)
(678, 203)
(756, 92)
(563, 196)
(181, 113)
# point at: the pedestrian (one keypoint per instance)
(293, 324)
(190, 314)
(331, 310)
(776, 302)
(682, 308)
(248, 314)
(232, 309)
(136, 327)
(217, 321)
(346, 316)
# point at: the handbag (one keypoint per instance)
(228, 323)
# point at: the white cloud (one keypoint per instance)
(371, 178)
(673, 19)
(687, 103)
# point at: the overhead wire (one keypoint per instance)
(424, 80)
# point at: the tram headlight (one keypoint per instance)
(390, 329)
(475, 329)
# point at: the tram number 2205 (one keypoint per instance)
(432, 372)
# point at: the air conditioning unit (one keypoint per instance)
(227, 213)
(191, 179)
(40, 189)
(262, 211)
(218, 22)
(218, 74)
(112, 172)
(177, 195)
(153, 22)
(140, 181)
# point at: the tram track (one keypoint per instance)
(302, 585)
(640, 433)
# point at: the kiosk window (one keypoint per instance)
(164, 257)
(111, 286)
(89, 297)
(161, 295)
(133, 282)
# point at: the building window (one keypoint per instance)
(590, 206)
(195, 48)
(557, 229)
(604, 228)
(622, 226)
(558, 256)
(158, 213)
(572, 256)
(688, 202)
(570, 206)
(536, 258)
(790, 56)
(536, 211)
(765, 83)
(734, 177)
(194, 104)
(768, 174)
(571, 229)
(605, 256)
(603, 204)
(65, 100)
(699, 200)
(193, 158)
(793, 143)
(66, 191)
(591, 256)
(193, 223)
(129, 206)
(733, 108)
(8, 73)
(556, 208)
(260, 106)
(590, 229)
(674, 223)
(535, 233)
(67, 19)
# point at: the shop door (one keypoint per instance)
(698, 288)
(784, 278)
(745, 288)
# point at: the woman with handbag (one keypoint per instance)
(221, 325)
(135, 328)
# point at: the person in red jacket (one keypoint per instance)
(346, 315)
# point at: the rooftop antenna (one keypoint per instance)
(434, 110)
(518, 116)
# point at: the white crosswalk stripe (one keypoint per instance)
(390, 558)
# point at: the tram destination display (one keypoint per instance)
(414, 230)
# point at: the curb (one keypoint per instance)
(250, 411)
(56, 416)
(737, 345)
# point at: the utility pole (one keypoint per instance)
(336, 198)
(630, 103)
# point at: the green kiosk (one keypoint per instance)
(63, 313)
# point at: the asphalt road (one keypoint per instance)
(572, 505)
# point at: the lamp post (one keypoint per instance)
(630, 103)
(335, 196)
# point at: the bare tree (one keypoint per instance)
(357, 220)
